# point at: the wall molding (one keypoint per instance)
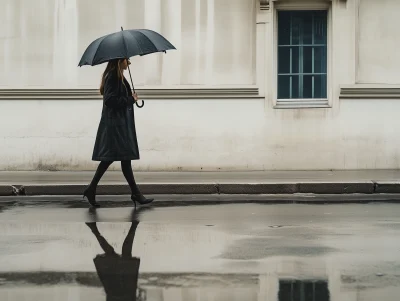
(173, 93)
(369, 91)
(264, 4)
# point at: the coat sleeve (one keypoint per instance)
(112, 97)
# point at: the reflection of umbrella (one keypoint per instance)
(124, 44)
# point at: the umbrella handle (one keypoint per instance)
(130, 75)
(141, 105)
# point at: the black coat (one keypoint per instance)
(116, 136)
(119, 276)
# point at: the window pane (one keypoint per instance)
(287, 55)
(308, 289)
(295, 59)
(320, 60)
(296, 25)
(321, 291)
(285, 291)
(308, 86)
(284, 86)
(307, 59)
(320, 86)
(296, 291)
(320, 27)
(295, 86)
(308, 29)
(288, 86)
(284, 60)
(284, 28)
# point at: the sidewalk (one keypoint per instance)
(271, 182)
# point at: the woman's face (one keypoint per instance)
(124, 64)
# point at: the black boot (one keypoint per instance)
(137, 196)
(90, 194)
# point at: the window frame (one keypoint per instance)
(301, 102)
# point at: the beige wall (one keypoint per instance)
(379, 59)
(215, 133)
(42, 41)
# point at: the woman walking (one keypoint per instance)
(116, 136)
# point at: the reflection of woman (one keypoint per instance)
(118, 273)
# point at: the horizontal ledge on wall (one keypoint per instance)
(363, 91)
(302, 104)
(174, 93)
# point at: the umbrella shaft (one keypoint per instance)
(133, 88)
(130, 75)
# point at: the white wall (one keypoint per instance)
(379, 59)
(42, 41)
(225, 134)
(207, 134)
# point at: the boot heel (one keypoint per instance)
(139, 198)
(90, 194)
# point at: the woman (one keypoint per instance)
(116, 136)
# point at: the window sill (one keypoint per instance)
(302, 104)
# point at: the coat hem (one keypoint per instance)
(115, 158)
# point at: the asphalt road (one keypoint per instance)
(63, 251)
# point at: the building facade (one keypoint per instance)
(253, 84)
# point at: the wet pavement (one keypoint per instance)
(55, 251)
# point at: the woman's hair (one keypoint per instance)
(112, 66)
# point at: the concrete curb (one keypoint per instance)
(112, 201)
(284, 188)
(119, 189)
(337, 188)
(387, 187)
(6, 190)
(368, 187)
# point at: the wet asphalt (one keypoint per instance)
(65, 251)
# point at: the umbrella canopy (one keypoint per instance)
(124, 44)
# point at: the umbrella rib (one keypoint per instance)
(149, 40)
(126, 47)
(98, 47)
(137, 43)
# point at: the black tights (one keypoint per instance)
(126, 170)
(107, 248)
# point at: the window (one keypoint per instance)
(296, 290)
(302, 54)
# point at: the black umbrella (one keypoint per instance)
(124, 44)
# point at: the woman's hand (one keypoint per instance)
(135, 97)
